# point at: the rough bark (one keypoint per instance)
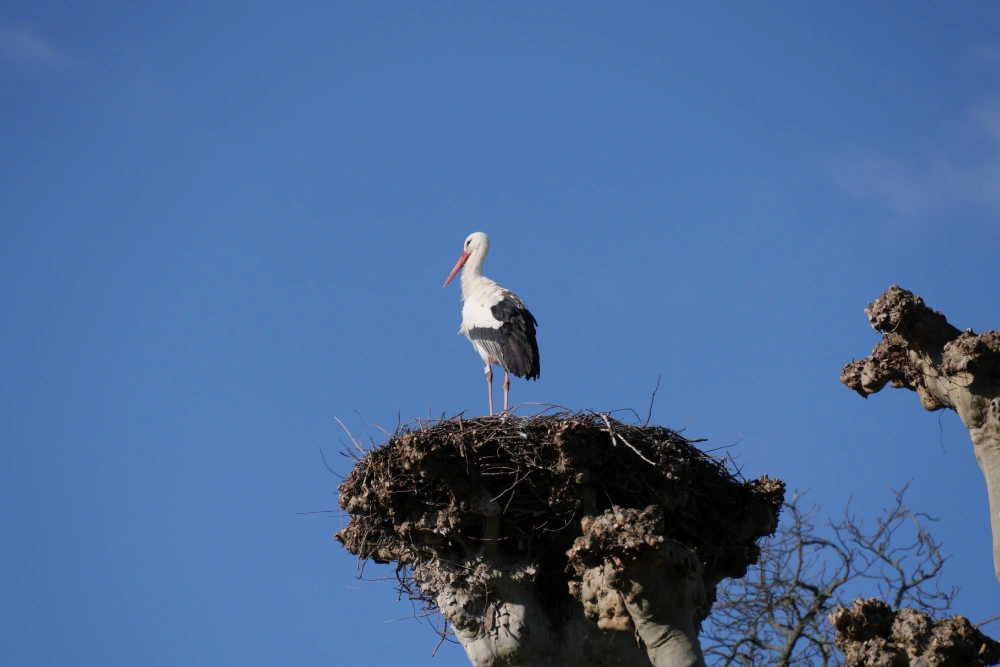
(871, 634)
(571, 540)
(947, 368)
(632, 578)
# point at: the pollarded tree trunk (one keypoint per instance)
(558, 541)
(871, 634)
(947, 368)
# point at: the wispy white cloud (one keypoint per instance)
(23, 46)
(963, 173)
(989, 54)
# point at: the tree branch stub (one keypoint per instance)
(871, 634)
(947, 368)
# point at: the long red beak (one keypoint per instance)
(461, 261)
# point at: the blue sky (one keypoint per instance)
(222, 226)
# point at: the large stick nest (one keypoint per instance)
(515, 490)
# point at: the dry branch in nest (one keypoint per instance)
(482, 514)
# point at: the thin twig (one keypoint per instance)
(607, 421)
(349, 435)
(622, 438)
(988, 620)
(649, 414)
(323, 456)
(441, 641)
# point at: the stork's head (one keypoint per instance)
(477, 245)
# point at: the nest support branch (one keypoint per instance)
(569, 539)
(947, 368)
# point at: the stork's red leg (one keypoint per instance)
(489, 383)
(506, 388)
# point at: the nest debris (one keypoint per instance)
(452, 502)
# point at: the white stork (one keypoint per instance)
(495, 320)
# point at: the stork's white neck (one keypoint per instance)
(472, 273)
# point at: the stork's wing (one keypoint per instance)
(508, 335)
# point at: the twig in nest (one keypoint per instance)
(653, 398)
(634, 413)
(356, 445)
(622, 438)
(323, 456)
(548, 406)
(615, 437)
(379, 428)
(607, 422)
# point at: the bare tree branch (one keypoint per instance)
(777, 615)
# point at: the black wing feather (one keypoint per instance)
(513, 345)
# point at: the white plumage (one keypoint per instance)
(495, 319)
